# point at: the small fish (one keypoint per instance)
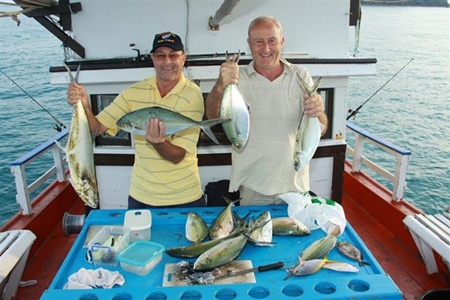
(289, 226)
(260, 230)
(340, 267)
(195, 250)
(224, 223)
(319, 248)
(196, 229)
(80, 154)
(309, 133)
(234, 108)
(136, 121)
(223, 253)
(308, 267)
(352, 252)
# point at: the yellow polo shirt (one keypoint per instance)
(154, 180)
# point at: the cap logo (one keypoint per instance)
(166, 35)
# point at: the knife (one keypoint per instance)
(258, 269)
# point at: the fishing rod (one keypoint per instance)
(58, 126)
(352, 113)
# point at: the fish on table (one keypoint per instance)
(309, 132)
(308, 267)
(221, 254)
(195, 250)
(235, 109)
(260, 230)
(319, 248)
(352, 252)
(80, 154)
(135, 122)
(224, 223)
(196, 229)
(289, 226)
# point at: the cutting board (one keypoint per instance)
(172, 280)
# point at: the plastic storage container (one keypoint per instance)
(140, 223)
(141, 257)
(107, 243)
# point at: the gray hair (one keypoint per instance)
(265, 19)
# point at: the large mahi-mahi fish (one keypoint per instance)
(80, 154)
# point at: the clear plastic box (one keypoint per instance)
(141, 257)
(107, 243)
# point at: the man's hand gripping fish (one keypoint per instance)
(308, 134)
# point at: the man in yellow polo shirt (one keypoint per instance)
(165, 170)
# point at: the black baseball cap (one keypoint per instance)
(167, 39)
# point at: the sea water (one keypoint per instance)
(412, 110)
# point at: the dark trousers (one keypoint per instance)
(134, 204)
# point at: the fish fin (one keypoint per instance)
(229, 201)
(363, 263)
(206, 127)
(94, 135)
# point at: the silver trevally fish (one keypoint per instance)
(308, 134)
(261, 230)
(352, 252)
(196, 229)
(136, 121)
(235, 108)
(223, 253)
(289, 226)
(80, 154)
(224, 223)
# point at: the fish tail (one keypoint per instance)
(363, 263)
(206, 127)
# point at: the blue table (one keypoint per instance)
(168, 227)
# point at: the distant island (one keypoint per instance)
(428, 3)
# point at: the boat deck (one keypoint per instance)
(404, 266)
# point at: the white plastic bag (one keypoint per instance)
(316, 212)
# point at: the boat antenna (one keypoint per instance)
(352, 113)
(58, 125)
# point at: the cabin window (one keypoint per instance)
(99, 102)
(328, 96)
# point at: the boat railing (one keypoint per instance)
(402, 156)
(24, 189)
(18, 166)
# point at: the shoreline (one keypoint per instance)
(421, 3)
